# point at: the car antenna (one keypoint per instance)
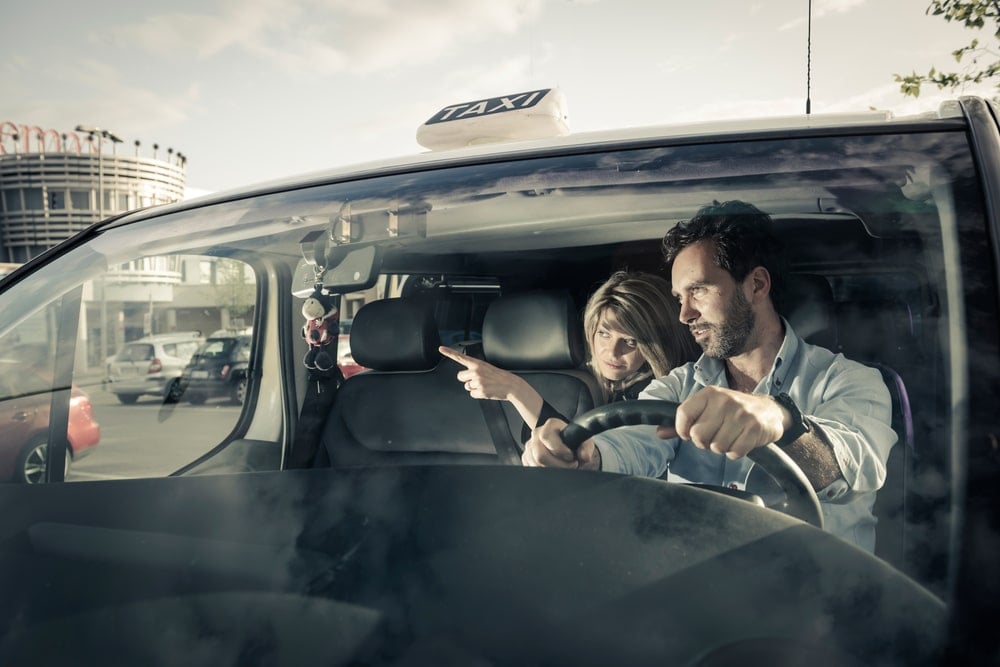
(809, 23)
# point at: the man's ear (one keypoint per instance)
(759, 282)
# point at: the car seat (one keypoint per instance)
(812, 312)
(409, 408)
(880, 332)
(538, 335)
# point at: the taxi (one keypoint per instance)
(383, 518)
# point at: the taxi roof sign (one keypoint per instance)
(534, 114)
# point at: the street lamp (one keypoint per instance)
(101, 134)
(105, 134)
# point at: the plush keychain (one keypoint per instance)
(321, 329)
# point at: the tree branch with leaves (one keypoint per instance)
(982, 57)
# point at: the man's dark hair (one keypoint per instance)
(744, 239)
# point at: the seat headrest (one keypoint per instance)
(395, 335)
(809, 308)
(538, 330)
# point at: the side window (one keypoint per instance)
(27, 383)
(185, 350)
(134, 408)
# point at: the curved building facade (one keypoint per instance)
(53, 185)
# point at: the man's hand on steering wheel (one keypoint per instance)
(727, 421)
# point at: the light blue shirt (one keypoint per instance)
(847, 400)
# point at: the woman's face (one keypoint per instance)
(615, 354)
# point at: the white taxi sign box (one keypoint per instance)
(535, 114)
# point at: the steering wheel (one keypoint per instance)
(800, 500)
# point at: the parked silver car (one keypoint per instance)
(150, 365)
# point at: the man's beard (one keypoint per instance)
(729, 339)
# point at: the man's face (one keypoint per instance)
(712, 304)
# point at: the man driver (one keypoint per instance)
(757, 382)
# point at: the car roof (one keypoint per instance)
(172, 336)
(230, 333)
(948, 112)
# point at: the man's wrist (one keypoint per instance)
(799, 425)
(595, 461)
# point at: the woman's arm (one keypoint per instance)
(484, 380)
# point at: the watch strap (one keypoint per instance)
(799, 424)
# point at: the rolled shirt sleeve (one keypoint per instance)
(851, 405)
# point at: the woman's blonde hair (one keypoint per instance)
(644, 309)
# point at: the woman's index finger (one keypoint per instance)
(457, 356)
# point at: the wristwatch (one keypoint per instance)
(799, 423)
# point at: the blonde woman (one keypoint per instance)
(632, 332)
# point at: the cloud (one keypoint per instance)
(178, 34)
(823, 8)
(735, 109)
(384, 36)
(887, 96)
(404, 115)
(884, 97)
(98, 92)
(146, 109)
(327, 36)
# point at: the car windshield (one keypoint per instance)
(378, 487)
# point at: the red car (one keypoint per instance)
(25, 398)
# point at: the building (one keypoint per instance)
(54, 184)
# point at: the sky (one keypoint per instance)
(255, 90)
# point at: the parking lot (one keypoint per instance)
(125, 450)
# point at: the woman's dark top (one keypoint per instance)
(629, 393)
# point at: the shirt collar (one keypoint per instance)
(777, 379)
(710, 371)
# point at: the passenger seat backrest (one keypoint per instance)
(880, 330)
(813, 312)
(409, 408)
(539, 336)
(891, 501)
(808, 306)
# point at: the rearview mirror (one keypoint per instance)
(349, 269)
